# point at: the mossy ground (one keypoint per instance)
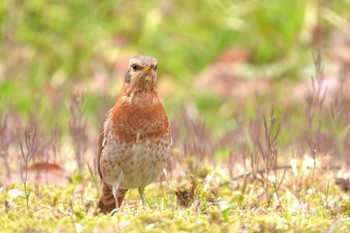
(227, 209)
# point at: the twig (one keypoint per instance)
(78, 129)
(261, 171)
(335, 224)
(270, 154)
(5, 140)
(30, 145)
(93, 177)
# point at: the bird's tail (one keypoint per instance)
(107, 202)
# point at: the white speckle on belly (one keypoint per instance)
(140, 162)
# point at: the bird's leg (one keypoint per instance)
(165, 174)
(141, 189)
(115, 189)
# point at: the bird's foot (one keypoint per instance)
(114, 211)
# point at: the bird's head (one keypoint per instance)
(141, 74)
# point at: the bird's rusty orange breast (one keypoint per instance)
(139, 116)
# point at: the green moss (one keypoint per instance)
(64, 209)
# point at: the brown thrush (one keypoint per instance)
(135, 141)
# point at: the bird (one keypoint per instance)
(135, 139)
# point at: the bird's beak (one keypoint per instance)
(147, 68)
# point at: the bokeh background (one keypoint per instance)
(257, 93)
(221, 62)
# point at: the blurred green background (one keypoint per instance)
(51, 49)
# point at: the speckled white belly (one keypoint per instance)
(134, 164)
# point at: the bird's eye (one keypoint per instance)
(135, 67)
(155, 67)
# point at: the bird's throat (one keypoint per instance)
(137, 93)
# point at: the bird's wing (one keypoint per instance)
(102, 140)
(101, 143)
